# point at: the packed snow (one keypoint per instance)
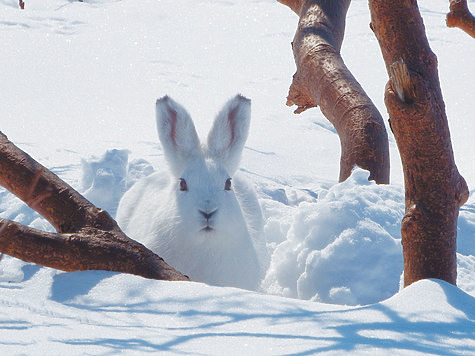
(79, 85)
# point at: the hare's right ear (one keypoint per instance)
(177, 134)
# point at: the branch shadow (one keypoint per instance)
(345, 330)
(67, 286)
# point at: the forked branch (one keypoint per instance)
(87, 239)
(461, 17)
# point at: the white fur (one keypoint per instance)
(172, 222)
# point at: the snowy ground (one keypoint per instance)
(81, 79)
(98, 313)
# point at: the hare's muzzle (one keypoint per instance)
(207, 215)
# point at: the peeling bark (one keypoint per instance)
(322, 79)
(460, 16)
(435, 190)
(87, 239)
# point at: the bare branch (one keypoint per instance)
(434, 188)
(460, 16)
(295, 5)
(88, 249)
(88, 237)
(322, 79)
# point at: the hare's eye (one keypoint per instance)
(227, 185)
(183, 186)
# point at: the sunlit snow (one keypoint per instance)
(79, 81)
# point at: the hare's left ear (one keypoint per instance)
(229, 132)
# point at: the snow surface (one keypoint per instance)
(103, 313)
(79, 83)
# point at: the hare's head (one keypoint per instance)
(202, 174)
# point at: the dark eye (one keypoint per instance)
(183, 186)
(227, 185)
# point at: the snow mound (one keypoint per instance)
(434, 301)
(105, 179)
(338, 245)
(97, 312)
(344, 248)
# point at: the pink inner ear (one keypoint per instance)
(173, 120)
(232, 126)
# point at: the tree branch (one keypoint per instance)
(295, 5)
(322, 79)
(88, 237)
(435, 190)
(460, 16)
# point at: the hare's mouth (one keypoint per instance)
(207, 229)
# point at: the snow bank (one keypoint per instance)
(105, 313)
(343, 248)
(338, 244)
(330, 242)
(79, 79)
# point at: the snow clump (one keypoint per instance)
(344, 248)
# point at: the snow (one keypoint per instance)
(351, 222)
(106, 313)
(79, 84)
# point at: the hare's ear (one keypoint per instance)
(229, 133)
(177, 134)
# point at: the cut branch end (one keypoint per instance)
(401, 81)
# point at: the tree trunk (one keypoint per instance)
(435, 190)
(322, 79)
(87, 239)
(460, 16)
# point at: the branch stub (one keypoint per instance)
(401, 81)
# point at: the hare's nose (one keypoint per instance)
(207, 214)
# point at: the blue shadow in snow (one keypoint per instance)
(67, 286)
(29, 271)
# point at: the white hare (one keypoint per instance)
(201, 217)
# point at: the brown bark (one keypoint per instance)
(460, 16)
(88, 238)
(294, 5)
(434, 188)
(322, 79)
